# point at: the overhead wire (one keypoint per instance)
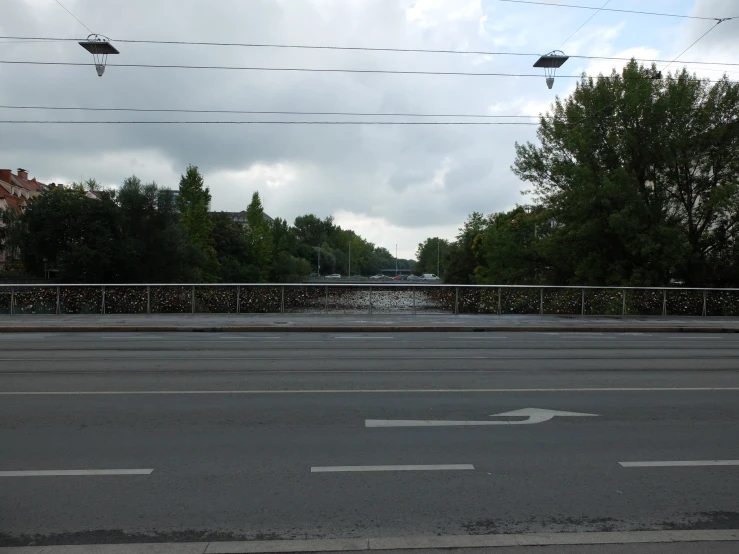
(70, 13)
(276, 122)
(694, 43)
(583, 25)
(308, 69)
(665, 67)
(332, 70)
(264, 112)
(355, 48)
(609, 9)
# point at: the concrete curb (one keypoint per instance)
(388, 543)
(361, 329)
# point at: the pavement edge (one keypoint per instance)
(360, 329)
(388, 543)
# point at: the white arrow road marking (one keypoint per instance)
(534, 415)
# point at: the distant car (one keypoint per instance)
(314, 276)
(357, 277)
(430, 277)
(414, 278)
(333, 276)
(403, 277)
(377, 277)
(397, 278)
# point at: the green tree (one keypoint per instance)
(236, 261)
(155, 245)
(638, 175)
(79, 236)
(193, 202)
(12, 233)
(512, 248)
(462, 263)
(259, 236)
(429, 255)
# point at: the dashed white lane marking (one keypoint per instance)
(694, 463)
(74, 472)
(442, 467)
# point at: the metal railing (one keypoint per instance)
(364, 298)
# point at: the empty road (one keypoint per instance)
(182, 437)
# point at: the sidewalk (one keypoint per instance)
(630, 541)
(336, 323)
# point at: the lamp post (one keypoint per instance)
(438, 257)
(100, 48)
(396, 259)
(319, 260)
(350, 260)
(551, 62)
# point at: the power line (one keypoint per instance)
(265, 112)
(70, 13)
(694, 43)
(315, 70)
(352, 48)
(583, 25)
(610, 10)
(668, 65)
(71, 122)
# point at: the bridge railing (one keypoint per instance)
(366, 298)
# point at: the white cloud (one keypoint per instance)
(429, 13)
(383, 233)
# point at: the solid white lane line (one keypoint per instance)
(74, 472)
(476, 338)
(696, 338)
(579, 335)
(365, 338)
(341, 469)
(128, 338)
(696, 463)
(232, 337)
(362, 391)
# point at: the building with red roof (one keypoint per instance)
(17, 191)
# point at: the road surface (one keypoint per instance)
(141, 437)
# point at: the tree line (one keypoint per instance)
(145, 233)
(634, 182)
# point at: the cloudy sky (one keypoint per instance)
(392, 184)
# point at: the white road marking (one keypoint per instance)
(74, 472)
(363, 391)
(476, 338)
(695, 338)
(270, 358)
(364, 338)
(127, 338)
(534, 415)
(232, 337)
(443, 467)
(586, 336)
(696, 463)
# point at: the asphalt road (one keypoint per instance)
(264, 436)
